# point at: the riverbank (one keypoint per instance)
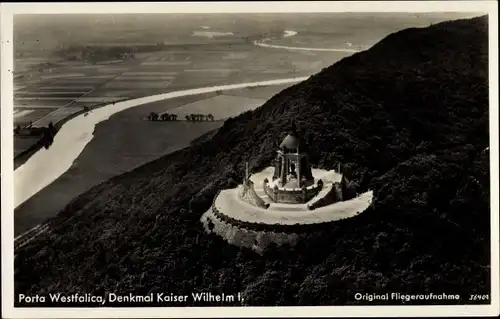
(114, 151)
(273, 46)
(22, 157)
(46, 165)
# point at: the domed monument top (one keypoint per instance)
(292, 141)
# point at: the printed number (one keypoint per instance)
(479, 297)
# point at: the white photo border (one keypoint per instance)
(8, 10)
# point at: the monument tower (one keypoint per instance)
(292, 162)
(297, 195)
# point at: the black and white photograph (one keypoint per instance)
(199, 158)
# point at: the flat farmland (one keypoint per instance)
(20, 113)
(180, 55)
(261, 92)
(127, 140)
(50, 95)
(165, 106)
(24, 116)
(198, 78)
(122, 143)
(58, 115)
(67, 82)
(221, 107)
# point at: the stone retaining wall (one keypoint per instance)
(292, 196)
(258, 236)
(247, 194)
(298, 227)
(243, 237)
(334, 195)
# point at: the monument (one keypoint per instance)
(292, 162)
(292, 181)
(270, 205)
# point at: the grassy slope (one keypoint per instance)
(409, 117)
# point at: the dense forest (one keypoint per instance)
(408, 118)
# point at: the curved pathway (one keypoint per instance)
(229, 204)
(46, 165)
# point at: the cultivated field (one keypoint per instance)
(66, 88)
(63, 85)
(221, 107)
(199, 51)
(123, 143)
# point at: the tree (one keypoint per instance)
(153, 116)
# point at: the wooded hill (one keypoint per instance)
(408, 118)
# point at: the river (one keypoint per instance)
(46, 165)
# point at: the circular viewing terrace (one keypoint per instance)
(281, 201)
(229, 204)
